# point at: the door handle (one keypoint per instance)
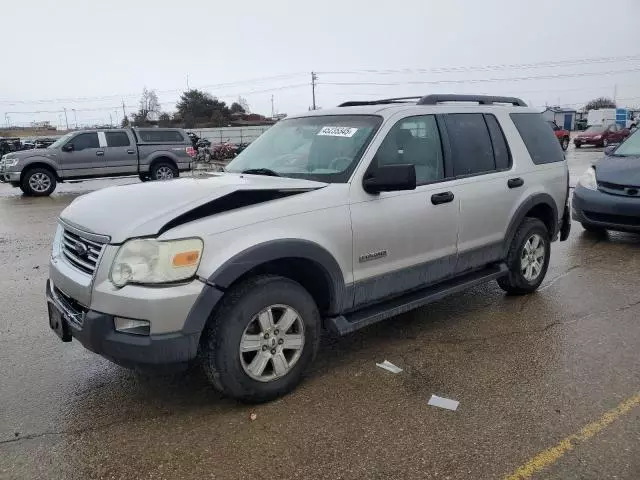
(99, 153)
(131, 152)
(444, 197)
(515, 182)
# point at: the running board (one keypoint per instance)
(351, 322)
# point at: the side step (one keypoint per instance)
(351, 322)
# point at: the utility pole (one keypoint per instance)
(615, 92)
(66, 120)
(110, 120)
(75, 115)
(6, 117)
(188, 82)
(273, 113)
(124, 112)
(314, 77)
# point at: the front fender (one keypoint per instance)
(28, 162)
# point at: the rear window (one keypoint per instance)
(117, 139)
(161, 136)
(542, 144)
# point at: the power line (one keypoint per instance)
(487, 80)
(513, 66)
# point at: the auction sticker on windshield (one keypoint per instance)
(338, 131)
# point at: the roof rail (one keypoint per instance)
(481, 99)
(356, 103)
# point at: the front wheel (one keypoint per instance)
(261, 339)
(565, 143)
(38, 182)
(605, 143)
(528, 258)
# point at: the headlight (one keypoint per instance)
(11, 162)
(588, 180)
(153, 261)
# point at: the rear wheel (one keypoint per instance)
(164, 171)
(528, 258)
(38, 182)
(565, 143)
(262, 339)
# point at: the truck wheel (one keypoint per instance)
(38, 182)
(261, 340)
(565, 143)
(528, 258)
(164, 171)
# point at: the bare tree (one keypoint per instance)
(148, 104)
(601, 102)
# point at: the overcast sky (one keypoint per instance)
(92, 55)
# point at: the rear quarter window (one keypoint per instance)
(161, 136)
(542, 144)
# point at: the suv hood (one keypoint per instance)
(149, 209)
(619, 170)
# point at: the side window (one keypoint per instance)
(500, 149)
(542, 144)
(85, 140)
(414, 140)
(117, 139)
(470, 143)
(161, 136)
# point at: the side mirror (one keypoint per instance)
(390, 178)
(609, 150)
(68, 147)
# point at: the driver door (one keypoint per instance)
(83, 156)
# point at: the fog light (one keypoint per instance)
(135, 327)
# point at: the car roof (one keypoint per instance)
(387, 110)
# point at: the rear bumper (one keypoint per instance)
(600, 209)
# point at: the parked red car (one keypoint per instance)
(561, 134)
(601, 135)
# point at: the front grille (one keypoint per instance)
(617, 189)
(80, 252)
(613, 219)
(75, 312)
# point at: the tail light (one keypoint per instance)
(191, 152)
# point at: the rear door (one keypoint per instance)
(85, 158)
(121, 153)
(487, 189)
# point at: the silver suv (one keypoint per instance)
(330, 220)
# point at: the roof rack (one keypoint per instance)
(357, 103)
(439, 98)
(481, 99)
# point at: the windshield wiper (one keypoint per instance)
(261, 171)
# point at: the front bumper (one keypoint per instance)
(587, 141)
(9, 177)
(96, 332)
(613, 212)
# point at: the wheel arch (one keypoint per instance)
(303, 261)
(40, 164)
(541, 206)
(162, 158)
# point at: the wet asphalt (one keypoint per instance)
(528, 372)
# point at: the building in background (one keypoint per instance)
(563, 117)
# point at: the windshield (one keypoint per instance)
(595, 129)
(630, 147)
(325, 149)
(61, 141)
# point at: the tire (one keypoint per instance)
(578, 145)
(516, 281)
(605, 143)
(565, 143)
(38, 182)
(594, 229)
(242, 375)
(143, 178)
(164, 171)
